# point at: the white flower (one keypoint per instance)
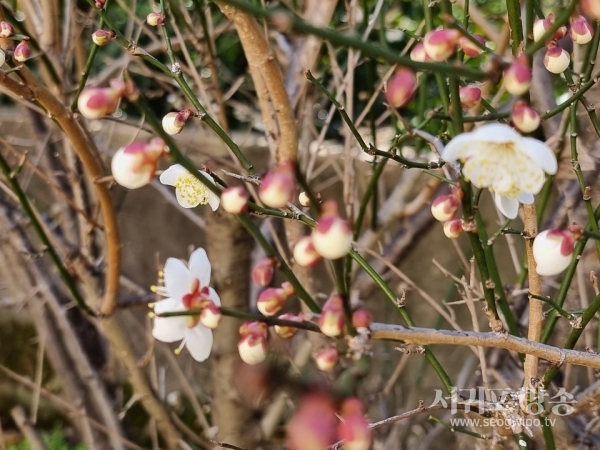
(186, 286)
(495, 156)
(189, 190)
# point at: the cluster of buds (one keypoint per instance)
(444, 208)
(6, 29)
(524, 117)
(134, 165)
(277, 187)
(95, 103)
(252, 345)
(552, 249)
(284, 331)
(262, 273)
(154, 19)
(470, 96)
(101, 37)
(174, 122)
(401, 87)
(271, 300)
(234, 199)
(317, 424)
(22, 51)
(517, 77)
(332, 236)
(332, 321)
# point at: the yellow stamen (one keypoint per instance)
(191, 190)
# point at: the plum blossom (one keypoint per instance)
(497, 157)
(186, 288)
(189, 190)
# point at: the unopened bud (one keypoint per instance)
(211, 315)
(331, 320)
(303, 199)
(362, 318)
(444, 207)
(262, 273)
(581, 31)
(470, 96)
(354, 429)
(287, 331)
(517, 78)
(470, 48)
(254, 328)
(22, 51)
(101, 37)
(154, 19)
(591, 8)
(174, 122)
(314, 424)
(253, 348)
(134, 165)
(524, 117)
(540, 27)
(271, 300)
(327, 359)
(305, 254)
(234, 199)
(453, 228)
(440, 44)
(419, 54)
(277, 187)
(332, 236)
(552, 250)
(95, 103)
(556, 59)
(401, 87)
(100, 4)
(6, 29)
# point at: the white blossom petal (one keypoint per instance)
(170, 175)
(496, 133)
(200, 266)
(214, 296)
(214, 201)
(459, 148)
(168, 329)
(526, 198)
(177, 278)
(507, 206)
(540, 154)
(198, 341)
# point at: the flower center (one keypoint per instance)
(191, 189)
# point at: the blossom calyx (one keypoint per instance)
(445, 207)
(262, 273)
(470, 96)
(154, 19)
(440, 44)
(517, 77)
(401, 87)
(134, 165)
(6, 29)
(22, 51)
(327, 359)
(332, 321)
(581, 31)
(101, 37)
(556, 60)
(524, 117)
(305, 253)
(234, 199)
(277, 187)
(332, 236)
(552, 250)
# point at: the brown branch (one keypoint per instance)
(22, 421)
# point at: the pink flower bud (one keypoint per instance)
(401, 87)
(255, 327)
(270, 301)
(354, 428)
(469, 47)
(305, 254)
(581, 31)
(453, 228)
(327, 359)
(277, 187)
(470, 96)
(100, 4)
(552, 250)
(362, 318)
(6, 29)
(262, 273)
(95, 103)
(101, 37)
(234, 199)
(211, 315)
(444, 207)
(524, 117)
(332, 236)
(591, 8)
(517, 78)
(287, 331)
(331, 321)
(419, 54)
(134, 165)
(22, 51)
(174, 122)
(288, 289)
(440, 44)
(253, 348)
(560, 33)
(303, 199)
(153, 19)
(556, 59)
(540, 26)
(314, 424)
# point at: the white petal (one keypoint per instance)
(496, 132)
(507, 206)
(208, 177)
(198, 341)
(168, 329)
(168, 305)
(540, 153)
(177, 278)
(461, 147)
(214, 201)
(214, 297)
(200, 266)
(170, 175)
(526, 198)
(184, 200)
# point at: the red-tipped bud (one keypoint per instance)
(134, 165)
(556, 59)
(524, 117)
(154, 19)
(470, 48)
(270, 301)
(354, 427)
(100, 4)
(288, 289)
(22, 51)
(234, 199)
(6, 29)
(552, 250)
(560, 33)
(440, 44)
(591, 8)
(287, 331)
(331, 320)
(211, 315)
(262, 274)
(401, 87)
(419, 54)
(248, 328)
(581, 31)
(332, 236)
(314, 425)
(253, 348)
(327, 359)
(444, 207)
(174, 122)
(277, 187)
(540, 27)
(470, 96)
(101, 37)
(305, 254)
(303, 199)
(453, 228)
(517, 78)
(95, 103)
(362, 318)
